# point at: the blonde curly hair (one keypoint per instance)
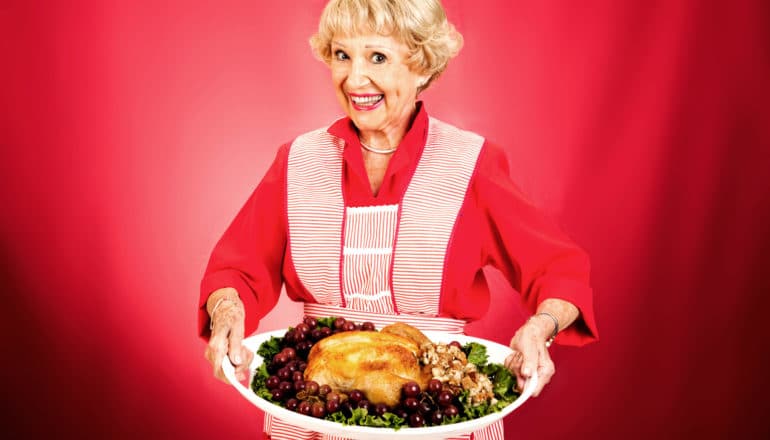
(421, 25)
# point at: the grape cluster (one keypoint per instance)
(287, 384)
(427, 407)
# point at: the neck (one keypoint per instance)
(387, 139)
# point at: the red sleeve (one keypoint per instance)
(527, 246)
(249, 256)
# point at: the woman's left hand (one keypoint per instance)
(530, 354)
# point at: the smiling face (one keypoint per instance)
(374, 85)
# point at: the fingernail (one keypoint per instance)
(237, 359)
(525, 371)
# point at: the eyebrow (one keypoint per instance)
(368, 46)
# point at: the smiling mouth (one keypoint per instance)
(368, 102)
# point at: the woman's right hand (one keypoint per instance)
(227, 327)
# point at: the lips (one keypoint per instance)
(366, 102)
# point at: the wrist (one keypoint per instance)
(547, 324)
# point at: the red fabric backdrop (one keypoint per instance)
(131, 133)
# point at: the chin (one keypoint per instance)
(365, 122)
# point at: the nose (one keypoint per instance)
(359, 73)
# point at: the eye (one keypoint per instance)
(339, 55)
(378, 58)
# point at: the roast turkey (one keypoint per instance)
(377, 363)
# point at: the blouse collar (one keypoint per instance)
(409, 148)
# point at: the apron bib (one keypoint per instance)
(382, 263)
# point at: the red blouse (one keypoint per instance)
(496, 226)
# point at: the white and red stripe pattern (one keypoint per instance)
(429, 210)
(315, 210)
(374, 239)
(369, 235)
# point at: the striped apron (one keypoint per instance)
(384, 263)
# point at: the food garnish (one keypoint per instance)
(394, 377)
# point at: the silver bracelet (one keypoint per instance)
(555, 327)
(216, 306)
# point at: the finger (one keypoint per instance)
(513, 363)
(242, 371)
(530, 357)
(237, 352)
(215, 352)
(509, 362)
(218, 347)
(235, 343)
(545, 371)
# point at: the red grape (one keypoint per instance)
(367, 326)
(325, 331)
(411, 404)
(316, 334)
(445, 398)
(339, 323)
(424, 407)
(366, 405)
(286, 387)
(451, 411)
(318, 410)
(349, 326)
(437, 417)
(284, 374)
(324, 390)
(304, 407)
(380, 409)
(299, 385)
(333, 395)
(332, 406)
(292, 404)
(455, 344)
(280, 358)
(416, 420)
(311, 387)
(303, 348)
(401, 412)
(276, 394)
(290, 353)
(272, 382)
(311, 322)
(411, 389)
(356, 396)
(434, 386)
(297, 375)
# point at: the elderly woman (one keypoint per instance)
(390, 215)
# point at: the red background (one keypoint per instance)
(131, 133)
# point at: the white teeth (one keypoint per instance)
(368, 100)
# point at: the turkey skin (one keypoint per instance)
(377, 363)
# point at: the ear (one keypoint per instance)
(422, 80)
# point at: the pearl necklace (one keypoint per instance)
(377, 150)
